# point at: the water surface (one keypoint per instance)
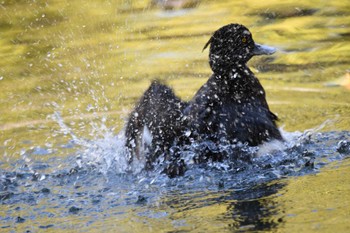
(70, 73)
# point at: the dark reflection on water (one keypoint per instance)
(255, 209)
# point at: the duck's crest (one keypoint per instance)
(208, 43)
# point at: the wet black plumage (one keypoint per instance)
(230, 105)
(161, 112)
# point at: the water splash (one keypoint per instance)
(105, 152)
(300, 153)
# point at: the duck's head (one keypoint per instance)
(233, 45)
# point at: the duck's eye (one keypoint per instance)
(244, 39)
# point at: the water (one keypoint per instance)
(94, 188)
(71, 71)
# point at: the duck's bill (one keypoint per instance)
(263, 50)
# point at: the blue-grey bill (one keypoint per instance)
(263, 50)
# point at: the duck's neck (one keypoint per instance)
(235, 74)
(238, 79)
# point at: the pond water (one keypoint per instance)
(71, 71)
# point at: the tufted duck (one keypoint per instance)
(230, 105)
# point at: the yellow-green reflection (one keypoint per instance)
(73, 55)
(67, 52)
(318, 202)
